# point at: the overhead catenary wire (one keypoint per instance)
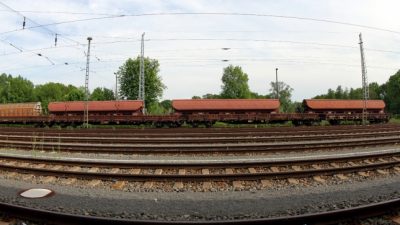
(12, 45)
(37, 24)
(109, 16)
(217, 61)
(249, 40)
(113, 16)
(211, 39)
(250, 59)
(21, 51)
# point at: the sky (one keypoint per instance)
(313, 43)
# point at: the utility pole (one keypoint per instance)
(116, 86)
(276, 83)
(141, 75)
(364, 83)
(86, 112)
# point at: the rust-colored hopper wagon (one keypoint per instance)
(328, 106)
(225, 106)
(209, 111)
(335, 111)
(125, 107)
(29, 109)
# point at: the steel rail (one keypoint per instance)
(361, 211)
(197, 163)
(178, 140)
(196, 148)
(195, 131)
(199, 177)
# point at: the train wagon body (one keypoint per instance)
(21, 109)
(225, 106)
(328, 106)
(123, 107)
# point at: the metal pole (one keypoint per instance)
(364, 83)
(116, 86)
(276, 83)
(141, 95)
(86, 112)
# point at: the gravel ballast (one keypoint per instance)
(292, 200)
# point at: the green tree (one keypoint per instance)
(52, 92)
(235, 83)
(355, 93)
(392, 93)
(346, 93)
(75, 94)
(159, 108)
(167, 105)
(4, 88)
(196, 97)
(102, 94)
(285, 95)
(375, 91)
(331, 94)
(339, 92)
(255, 95)
(128, 75)
(211, 96)
(15, 89)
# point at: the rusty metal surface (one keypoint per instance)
(331, 104)
(97, 106)
(20, 109)
(199, 118)
(226, 104)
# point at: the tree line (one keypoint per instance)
(388, 91)
(18, 89)
(235, 86)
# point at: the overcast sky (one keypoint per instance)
(312, 56)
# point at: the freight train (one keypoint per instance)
(194, 112)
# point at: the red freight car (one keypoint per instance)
(225, 106)
(125, 107)
(327, 106)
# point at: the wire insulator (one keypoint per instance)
(23, 24)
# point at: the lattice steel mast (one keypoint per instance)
(116, 86)
(365, 86)
(276, 83)
(141, 95)
(86, 112)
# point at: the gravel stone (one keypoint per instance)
(205, 206)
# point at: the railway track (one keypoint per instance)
(238, 141)
(214, 170)
(177, 140)
(204, 172)
(201, 148)
(196, 132)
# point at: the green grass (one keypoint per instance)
(229, 125)
(394, 120)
